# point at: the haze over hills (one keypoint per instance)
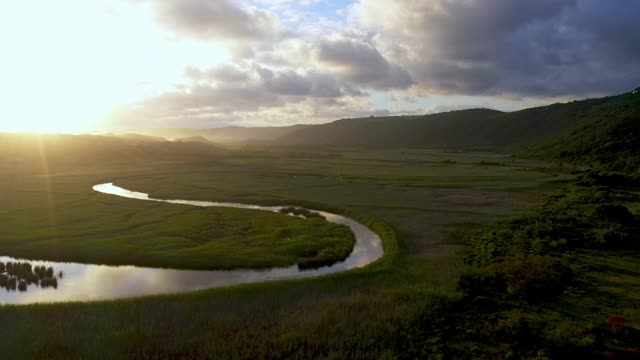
(192, 139)
(56, 152)
(603, 132)
(474, 129)
(226, 134)
(140, 137)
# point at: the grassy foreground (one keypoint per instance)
(420, 202)
(558, 282)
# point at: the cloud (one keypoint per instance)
(287, 65)
(509, 47)
(363, 64)
(220, 19)
(222, 73)
(285, 83)
(241, 92)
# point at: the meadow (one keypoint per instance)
(421, 202)
(60, 218)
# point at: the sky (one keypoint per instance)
(109, 65)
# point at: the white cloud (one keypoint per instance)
(199, 62)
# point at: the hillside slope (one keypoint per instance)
(444, 130)
(476, 129)
(608, 137)
(227, 134)
(195, 138)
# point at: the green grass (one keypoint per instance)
(63, 220)
(610, 287)
(417, 201)
(549, 285)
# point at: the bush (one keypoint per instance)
(22, 286)
(618, 214)
(609, 178)
(11, 284)
(534, 278)
(614, 236)
(480, 283)
(522, 330)
(300, 212)
(49, 282)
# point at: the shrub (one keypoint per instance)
(11, 284)
(307, 214)
(534, 278)
(523, 330)
(616, 323)
(22, 286)
(480, 283)
(614, 236)
(614, 214)
(41, 271)
(49, 282)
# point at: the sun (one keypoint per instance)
(46, 126)
(48, 111)
(51, 80)
(84, 60)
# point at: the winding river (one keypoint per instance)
(89, 282)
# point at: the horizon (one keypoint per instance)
(141, 131)
(113, 65)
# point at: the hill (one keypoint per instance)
(227, 135)
(193, 139)
(141, 138)
(475, 129)
(608, 138)
(603, 132)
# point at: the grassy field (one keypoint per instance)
(419, 192)
(420, 202)
(557, 282)
(60, 218)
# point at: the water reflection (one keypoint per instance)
(86, 282)
(21, 275)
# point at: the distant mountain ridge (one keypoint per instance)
(602, 132)
(474, 129)
(234, 134)
(194, 139)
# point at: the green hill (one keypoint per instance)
(226, 135)
(608, 137)
(601, 132)
(475, 129)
